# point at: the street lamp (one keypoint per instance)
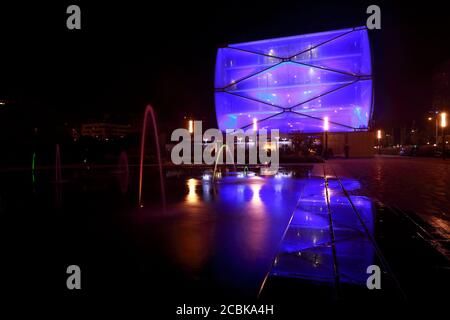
(436, 122)
(379, 141)
(326, 127)
(443, 125)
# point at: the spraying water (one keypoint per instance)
(219, 153)
(149, 111)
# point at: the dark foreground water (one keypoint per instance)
(242, 236)
(216, 238)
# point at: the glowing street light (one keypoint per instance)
(191, 126)
(255, 124)
(443, 125)
(443, 119)
(379, 141)
(326, 125)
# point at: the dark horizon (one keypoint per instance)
(127, 56)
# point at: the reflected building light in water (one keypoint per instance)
(325, 194)
(192, 196)
(207, 192)
(316, 260)
(278, 188)
(256, 198)
(354, 253)
(240, 192)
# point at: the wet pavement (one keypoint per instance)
(335, 234)
(306, 230)
(329, 245)
(417, 184)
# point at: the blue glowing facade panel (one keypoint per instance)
(292, 83)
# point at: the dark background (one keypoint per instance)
(128, 54)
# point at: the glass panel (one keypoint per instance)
(348, 53)
(292, 122)
(348, 106)
(289, 84)
(233, 65)
(289, 46)
(236, 112)
(306, 252)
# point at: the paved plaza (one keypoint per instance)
(410, 184)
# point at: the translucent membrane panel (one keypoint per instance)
(233, 65)
(292, 122)
(318, 78)
(289, 84)
(353, 246)
(348, 53)
(305, 251)
(349, 106)
(236, 112)
(355, 253)
(314, 263)
(366, 210)
(289, 46)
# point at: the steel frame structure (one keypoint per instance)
(303, 59)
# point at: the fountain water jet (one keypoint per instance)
(149, 110)
(217, 158)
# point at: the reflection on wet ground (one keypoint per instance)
(416, 184)
(329, 242)
(224, 234)
(307, 248)
(301, 231)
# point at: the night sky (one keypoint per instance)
(129, 54)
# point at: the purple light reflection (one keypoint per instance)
(292, 83)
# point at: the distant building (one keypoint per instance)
(103, 131)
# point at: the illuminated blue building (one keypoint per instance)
(292, 83)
